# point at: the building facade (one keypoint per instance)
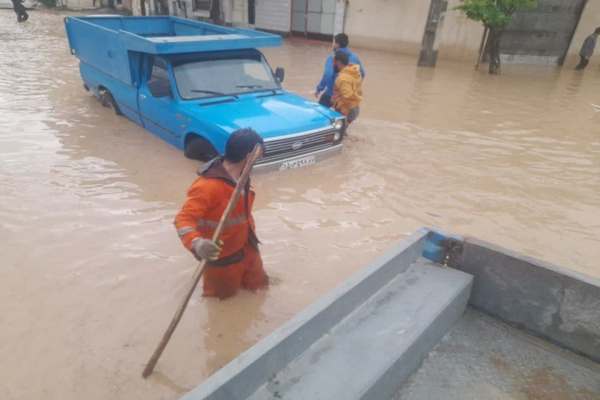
(311, 17)
(550, 34)
(121, 5)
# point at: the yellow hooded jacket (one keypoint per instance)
(347, 92)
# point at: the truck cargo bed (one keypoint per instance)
(117, 39)
(173, 35)
(483, 358)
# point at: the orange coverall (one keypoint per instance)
(239, 264)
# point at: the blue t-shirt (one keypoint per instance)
(329, 75)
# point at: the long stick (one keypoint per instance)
(481, 48)
(200, 270)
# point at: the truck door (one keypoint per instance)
(157, 103)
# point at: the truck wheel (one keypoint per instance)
(197, 148)
(107, 100)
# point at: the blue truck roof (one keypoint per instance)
(170, 35)
(113, 43)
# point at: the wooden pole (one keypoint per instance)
(200, 269)
(482, 47)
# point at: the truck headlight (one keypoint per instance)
(337, 136)
(339, 124)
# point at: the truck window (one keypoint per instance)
(209, 78)
(159, 84)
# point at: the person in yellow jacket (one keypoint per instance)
(347, 91)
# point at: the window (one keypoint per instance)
(201, 5)
(159, 84)
(159, 69)
(209, 78)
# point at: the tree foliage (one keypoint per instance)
(495, 14)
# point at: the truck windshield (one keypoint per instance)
(232, 76)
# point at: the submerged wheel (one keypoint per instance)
(107, 100)
(198, 148)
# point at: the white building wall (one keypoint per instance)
(396, 25)
(81, 4)
(274, 15)
(150, 5)
(239, 12)
(460, 37)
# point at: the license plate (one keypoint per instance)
(298, 163)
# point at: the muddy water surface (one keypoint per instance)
(91, 269)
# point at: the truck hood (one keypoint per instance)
(269, 114)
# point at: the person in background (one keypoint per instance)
(325, 87)
(347, 91)
(20, 10)
(587, 50)
(234, 261)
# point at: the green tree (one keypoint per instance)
(495, 15)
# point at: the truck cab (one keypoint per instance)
(193, 84)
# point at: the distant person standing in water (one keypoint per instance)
(324, 90)
(20, 10)
(587, 50)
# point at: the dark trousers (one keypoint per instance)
(582, 63)
(325, 100)
(22, 15)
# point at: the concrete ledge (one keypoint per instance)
(245, 374)
(560, 305)
(411, 358)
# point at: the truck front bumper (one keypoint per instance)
(301, 161)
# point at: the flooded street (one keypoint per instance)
(91, 269)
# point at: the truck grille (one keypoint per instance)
(280, 149)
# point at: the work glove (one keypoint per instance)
(208, 250)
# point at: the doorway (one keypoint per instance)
(252, 12)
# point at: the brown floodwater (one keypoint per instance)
(91, 269)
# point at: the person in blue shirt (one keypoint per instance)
(587, 50)
(20, 10)
(324, 90)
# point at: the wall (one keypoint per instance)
(460, 37)
(81, 4)
(590, 20)
(125, 5)
(91, 4)
(541, 35)
(398, 25)
(392, 25)
(239, 13)
(136, 7)
(395, 25)
(274, 15)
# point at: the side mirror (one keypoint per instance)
(160, 88)
(280, 74)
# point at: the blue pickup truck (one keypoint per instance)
(194, 83)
